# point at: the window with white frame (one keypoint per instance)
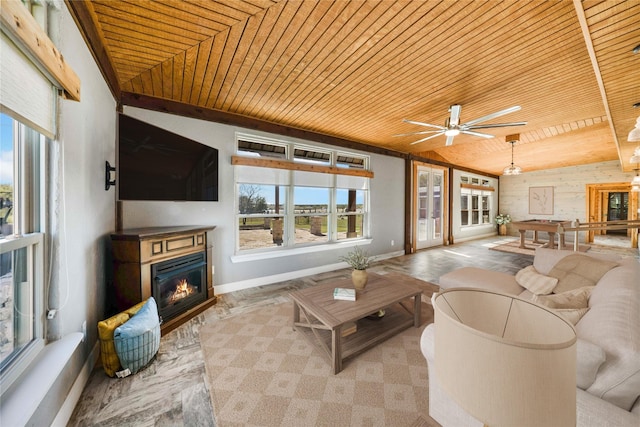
(288, 206)
(22, 152)
(28, 102)
(476, 201)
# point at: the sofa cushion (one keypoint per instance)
(589, 359)
(545, 259)
(571, 305)
(577, 270)
(573, 315)
(576, 298)
(537, 283)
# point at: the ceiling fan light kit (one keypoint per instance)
(453, 128)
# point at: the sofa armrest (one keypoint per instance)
(595, 412)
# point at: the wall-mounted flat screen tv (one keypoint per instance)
(155, 164)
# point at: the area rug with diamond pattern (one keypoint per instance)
(261, 372)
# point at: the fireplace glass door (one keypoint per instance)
(179, 284)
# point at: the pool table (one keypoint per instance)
(548, 225)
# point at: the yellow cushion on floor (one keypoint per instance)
(108, 355)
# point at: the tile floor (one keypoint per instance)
(173, 389)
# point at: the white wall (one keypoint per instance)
(569, 185)
(86, 212)
(387, 208)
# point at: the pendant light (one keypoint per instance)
(512, 169)
(634, 135)
(635, 182)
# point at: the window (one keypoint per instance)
(28, 101)
(476, 200)
(289, 206)
(21, 247)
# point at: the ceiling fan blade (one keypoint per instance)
(481, 135)
(418, 133)
(449, 140)
(492, 115)
(497, 125)
(423, 124)
(429, 137)
(454, 120)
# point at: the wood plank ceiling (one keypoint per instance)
(354, 69)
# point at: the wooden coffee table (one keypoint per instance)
(324, 317)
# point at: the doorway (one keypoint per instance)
(617, 209)
(429, 196)
(612, 202)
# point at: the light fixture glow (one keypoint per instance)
(635, 182)
(512, 169)
(636, 156)
(634, 135)
(452, 132)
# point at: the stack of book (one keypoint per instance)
(346, 294)
(349, 328)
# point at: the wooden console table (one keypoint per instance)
(135, 250)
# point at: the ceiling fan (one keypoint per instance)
(452, 126)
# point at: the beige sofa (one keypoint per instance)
(608, 350)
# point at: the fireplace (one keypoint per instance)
(172, 264)
(179, 284)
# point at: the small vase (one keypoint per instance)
(359, 279)
(502, 229)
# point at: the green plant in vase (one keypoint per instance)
(502, 220)
(359, 260)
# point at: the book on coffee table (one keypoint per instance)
(346, 294)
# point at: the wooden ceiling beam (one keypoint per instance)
(584, 26)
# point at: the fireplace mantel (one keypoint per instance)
(136, 250)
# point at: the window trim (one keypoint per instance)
(293, 166)
(238, 160)
(21, 361)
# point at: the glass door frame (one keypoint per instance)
(442, 222)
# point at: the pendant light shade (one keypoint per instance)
(634, 135)
(512, 169)
(636, 155)
(635, 183)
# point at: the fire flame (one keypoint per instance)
(183, 289)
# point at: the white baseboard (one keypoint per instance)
(291, 275)
(65, 412)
